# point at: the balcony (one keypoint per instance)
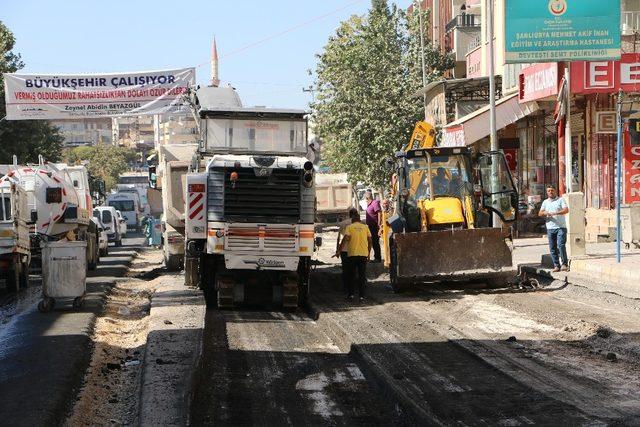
(463, 21)
(630, 22)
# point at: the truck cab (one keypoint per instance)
(249, 214)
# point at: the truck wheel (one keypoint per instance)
(173, 263)
(12, 280)
(24, 275)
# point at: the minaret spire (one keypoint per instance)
(215, 80)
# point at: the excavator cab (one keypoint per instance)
(441, 229)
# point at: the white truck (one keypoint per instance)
(15, 251)
(334, 197)
(170, 179)
(59, 204)
(249, 215)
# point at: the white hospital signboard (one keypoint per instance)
(43, 97)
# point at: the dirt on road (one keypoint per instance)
(110, 392)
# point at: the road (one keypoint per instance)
(50, 351)
(439, 354)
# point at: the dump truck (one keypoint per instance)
(249, 215)
(442, 228)
(60, 205)
(15, 250)
(334, 197)
(170, 179)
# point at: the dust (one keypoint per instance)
(110, 391)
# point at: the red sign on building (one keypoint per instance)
(631, 171)
(606, 76)
(538, 81)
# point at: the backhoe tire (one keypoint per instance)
(397, 284)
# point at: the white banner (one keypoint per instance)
(43, 97)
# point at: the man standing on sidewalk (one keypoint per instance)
(357, 240)
(374, 222)
(553, 210)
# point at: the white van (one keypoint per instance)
(129, 205)
(108, 218)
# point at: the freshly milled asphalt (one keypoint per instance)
(43, 356)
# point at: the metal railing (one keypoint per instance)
(463, 20)
(630, 22)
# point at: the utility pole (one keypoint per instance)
(424, 71)
(568, 150)
(619, 177)
(492, 105)
(312, 91)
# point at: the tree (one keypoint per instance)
(365, 81)
(24, 138)
(106, 162)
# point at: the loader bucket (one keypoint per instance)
(481, 253)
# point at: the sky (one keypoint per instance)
(265, 47)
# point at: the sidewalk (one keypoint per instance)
(599, 266)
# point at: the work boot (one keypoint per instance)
(556, 269)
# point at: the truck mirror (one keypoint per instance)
(34, 217)
(318, 241)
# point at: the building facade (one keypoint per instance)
(527, 98)
(83, 132)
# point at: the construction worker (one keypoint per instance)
(357, 240)
(374, 222)
(342, 227)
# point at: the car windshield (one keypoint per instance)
(449, 176)
(122, 205)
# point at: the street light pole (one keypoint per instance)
(424, 76)
(619, 177)
(492, 105)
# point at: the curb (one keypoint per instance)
(172, 355)
(593, 277)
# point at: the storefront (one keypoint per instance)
(597, 84)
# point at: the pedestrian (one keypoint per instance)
(357, 240)
(343, 252)
(374, 222)
(553, 210)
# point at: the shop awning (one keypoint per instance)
(475, 126)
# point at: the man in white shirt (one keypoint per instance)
(553, 210)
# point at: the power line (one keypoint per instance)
(281, 33)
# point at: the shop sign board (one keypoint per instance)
(606, 122)
(631, 172)
(44, 97)
(474, 63)
(634, 131)
(538, 81)
(561, 30)
(606, 76)
(453, 136)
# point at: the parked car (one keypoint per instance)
(103, 239)
(107, 215)
(122, 223)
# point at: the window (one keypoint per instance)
(107, 218)
(274, 136)
(123, 205)
(5, 205)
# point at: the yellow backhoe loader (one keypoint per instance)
(441, 229)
